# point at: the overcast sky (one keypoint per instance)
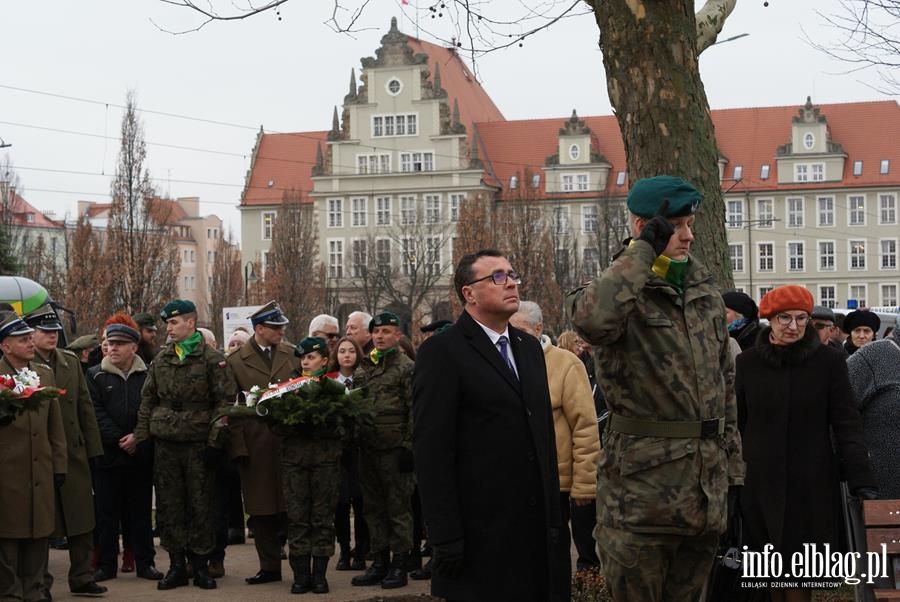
(287, 75)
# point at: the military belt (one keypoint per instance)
(675, 429)
(184, 406)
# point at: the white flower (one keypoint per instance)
(27, 378)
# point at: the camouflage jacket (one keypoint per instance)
(661, 355)
(389, 384)
(179, 397)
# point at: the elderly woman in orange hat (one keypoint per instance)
(792, 392)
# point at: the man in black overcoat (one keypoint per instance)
(485, 450)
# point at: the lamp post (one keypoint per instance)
(248, 274)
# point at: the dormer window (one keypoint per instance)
(738, 172)
(885, 166)
(574, 152)
(536, 180)
(764, 172)
(513, 182)
(809, 141)
(620, 178)
(857, 168)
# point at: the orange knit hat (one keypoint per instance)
(784, 298)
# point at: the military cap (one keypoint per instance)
(861, 317)
(822, 313)
(122, 332)
(270, 315)
(784, 298)
(310, 344)
(741, 303)
(385, 318)
(145, 320)
(436, 325)
(88, 341)
(177, 307)
(647, 194)
(43, 318)
(13, 326)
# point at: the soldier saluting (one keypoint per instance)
(185, 384)
(672, 448)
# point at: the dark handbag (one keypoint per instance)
(724, 583)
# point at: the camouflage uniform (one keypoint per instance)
(662, 477)
(177, 406)
(387, 485)
(312, 478)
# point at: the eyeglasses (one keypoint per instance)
(500, 278)
(786, 319)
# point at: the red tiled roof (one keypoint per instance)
(285, 160)
(22, 209)
(475, 105)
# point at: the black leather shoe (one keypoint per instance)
(396, 577)
(103, 575)
(150, 573)
(89, 589)
(177, 573)
(263, 577)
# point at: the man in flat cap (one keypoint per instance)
(672, 450)
(265, 358)
(34, 463)
(82, 347)
(823, 320)
(147, 348)
(74, 500)
(385, 464)
(123, 477)
(186, 384)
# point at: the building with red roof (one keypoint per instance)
(811, 191)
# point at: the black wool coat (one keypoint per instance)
(791, 400)
(485, 455)
(116, 402)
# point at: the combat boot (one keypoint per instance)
(319, 583)
(375, 573)
(176, 576)
(302, 575)
(201, 573)
(396, 576)
(416, 572)
(343, 563)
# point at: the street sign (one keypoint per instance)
(233, 317)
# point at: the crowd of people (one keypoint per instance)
(483, 450)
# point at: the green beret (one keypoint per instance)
(178, 307)
(385, 318)
(647, 194)
(88, 341)
(310, 344)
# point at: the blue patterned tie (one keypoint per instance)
(504, 343)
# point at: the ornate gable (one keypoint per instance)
(394, 51)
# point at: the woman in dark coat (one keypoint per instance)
(793, 393)
(743, 318)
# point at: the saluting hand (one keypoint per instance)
(658, 230)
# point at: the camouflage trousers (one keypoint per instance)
(653, 567)
(387, 493)
(311, 477)
(185, 497)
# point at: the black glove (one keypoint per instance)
(405, 462)
(212, 456)
(6, 420)
(657, 231)
(447, 559)
(866, 493)
(59, 480)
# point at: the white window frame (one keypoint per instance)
(408, 254)
(765, 222)
(820, 255)
(582, 182)
(865, 295)
(409, 160)
(787, 212)
(817, 172)
(356, 267)
(741, 257)
(456, 201)
(381, 241)
(762, 289)
(392, 121)
(801, 257)
(561, 221)
(594, 261)
(886, 300)
(382, 217)
(567, 182)
(335, 208)
(359, 216)
(820, 212)
(590, 216)
(433, 212)
(408, 216)
(882, 197)
(268, 228)
(851, 255)
(335, 248)
(577, 152)
(825, 302)
(860, 211)
(811, 138)
(882, 255)
(759, 256)
(801, 172)
(734, 221)
(433, 255)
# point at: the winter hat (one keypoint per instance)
(861, 317)
(784, 298)
(741, 303)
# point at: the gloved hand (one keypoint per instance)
(657, 231)
(59, 480)
(212, 456)
(6, 420)
(866, 493)
(447, 559)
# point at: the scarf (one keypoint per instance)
(376, 354)
(671, 270)
(736, 325)
(317, 374)
(187, 346)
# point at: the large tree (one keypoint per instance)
(141, 245)
(227, 280)
(88, 277)
(11, 207)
